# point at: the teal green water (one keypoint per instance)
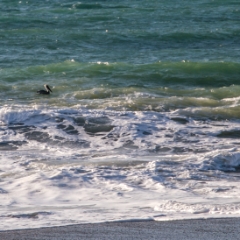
(144, 119)
(159, 55)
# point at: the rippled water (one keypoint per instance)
(143, 120)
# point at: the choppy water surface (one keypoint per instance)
(144, 118)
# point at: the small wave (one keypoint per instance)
(211, 209)
(226, 161)
(97, 130)
(184, 74)
(29, 215)
(91, 6)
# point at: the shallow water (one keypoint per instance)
(143, 121)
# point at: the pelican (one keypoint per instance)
(47, 91)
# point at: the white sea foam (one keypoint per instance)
(65, 166)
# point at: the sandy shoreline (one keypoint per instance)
(224, 228)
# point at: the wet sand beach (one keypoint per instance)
(219, 229)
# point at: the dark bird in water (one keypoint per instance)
(47, 91)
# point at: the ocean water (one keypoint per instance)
(144, 118)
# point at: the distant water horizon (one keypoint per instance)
(144, 118)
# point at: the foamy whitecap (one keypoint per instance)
(65, 166)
